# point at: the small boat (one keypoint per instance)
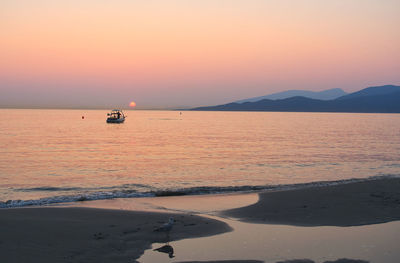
(116, 116)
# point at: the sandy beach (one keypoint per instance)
(76, 234)
(90, 235)
(353, 204)
(200, 131)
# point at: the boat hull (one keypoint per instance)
(112, 120)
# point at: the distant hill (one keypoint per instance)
(329, 94)
(383, 99)
(372, 91)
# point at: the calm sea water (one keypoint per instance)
(58, 156)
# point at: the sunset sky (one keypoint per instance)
(161, 53)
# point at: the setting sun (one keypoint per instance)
(279, 118)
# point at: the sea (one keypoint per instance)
(57, 156)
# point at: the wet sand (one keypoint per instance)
(90, 235)
(76, 234)
(352, 204)
(286, 261)
(224, 261)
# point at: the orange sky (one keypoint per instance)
(189, 53)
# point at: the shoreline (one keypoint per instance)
(192, 191)
(72, 234)
(83, 234)
(352, 204)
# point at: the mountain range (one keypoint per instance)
(380, 99)
(329, 94)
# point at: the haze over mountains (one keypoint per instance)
(329, 94)
(380, 99)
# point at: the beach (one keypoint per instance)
(78, 234)
(199, 131)
(90, 235)
(352, 204)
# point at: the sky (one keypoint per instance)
(186, 53)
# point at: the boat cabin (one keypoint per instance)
(115, 116)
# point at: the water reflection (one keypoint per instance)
(75, 156)
(167, 248)
(342, 260)
(288, 244)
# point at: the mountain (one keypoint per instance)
(329, 94)
(371, 91)
(383, 99)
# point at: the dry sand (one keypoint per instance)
(90, 235)
(359, 203)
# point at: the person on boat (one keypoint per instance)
(119, 114)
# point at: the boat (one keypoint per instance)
(116, 116)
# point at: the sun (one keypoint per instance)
(132, 104)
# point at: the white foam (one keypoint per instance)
(126, 193)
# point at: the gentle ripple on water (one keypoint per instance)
(163, 150)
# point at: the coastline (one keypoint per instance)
(353, 204)
(79, 234)
(130, 194)
(54, 234)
